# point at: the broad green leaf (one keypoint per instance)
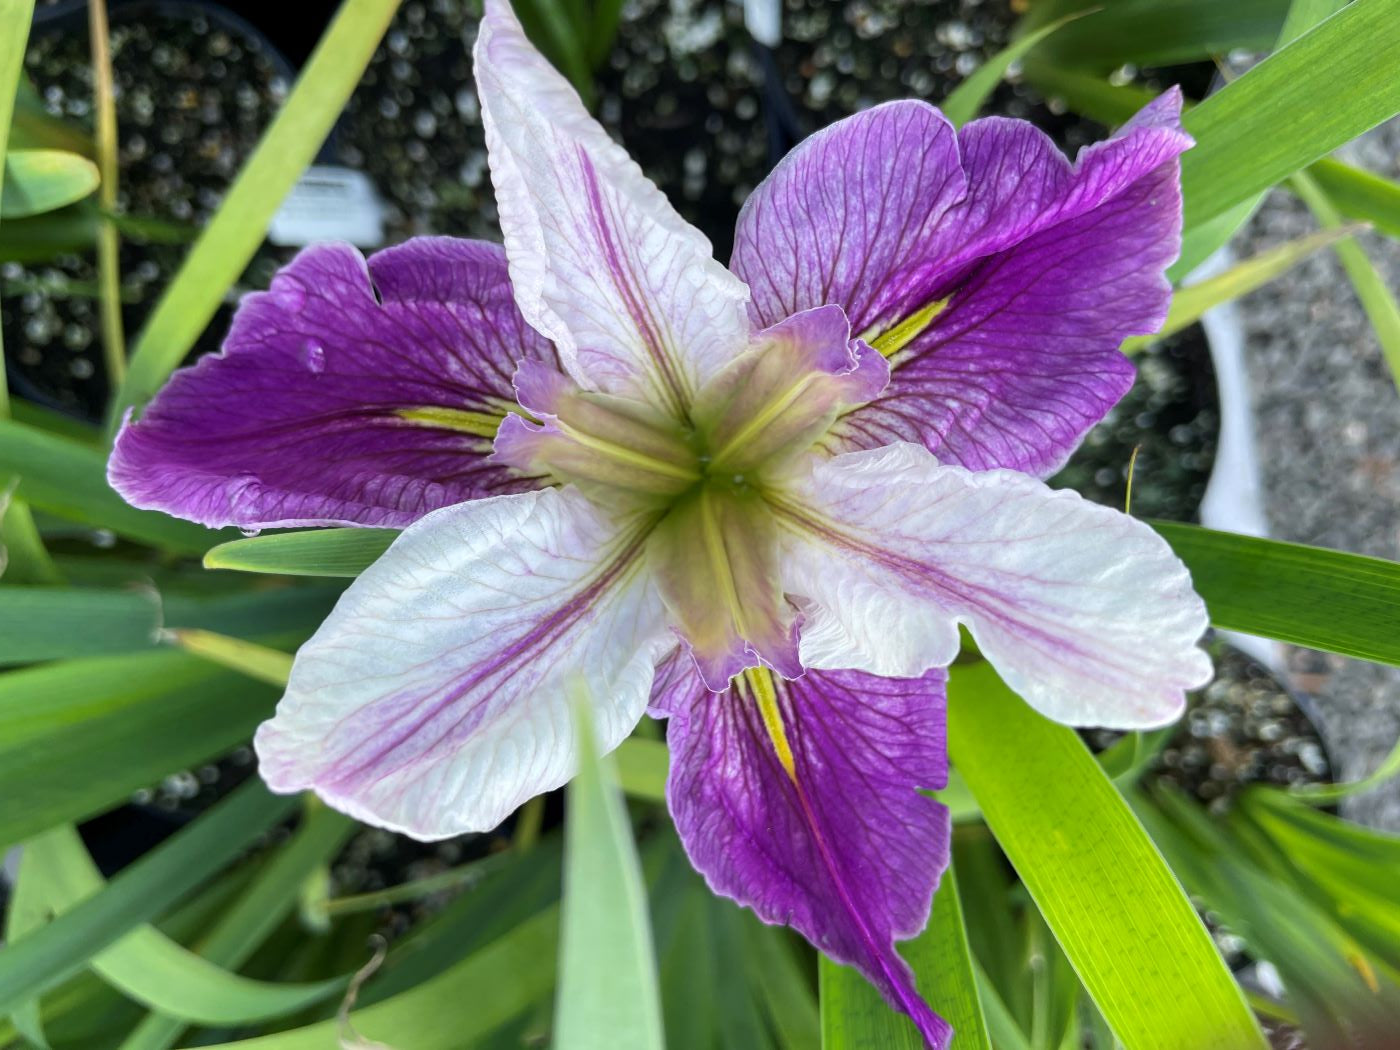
(255, 661)
(642, 767)
(969, 96)
(138, 893)
(54, 623)
(147, 965)
(1333, 989)
(551, 28)
(1114, 906)
(318, 552)
(1190, 303)
(1322, 599)
(69, 479)
(1156, 32)
(237, 228)
(786, 990)
(1203, 239)
(1360, 194)
(607, 994)
(41, 417)
(26, 911)
(1321, 91)
(606, 16)
(686, 947)
(77, 737)
(22, 553)
(42, 180)
(855, 1017)
(42, 623)
(258, 910)
(1371, 288)
(15, 16)
(451, 1010)
(1005, 1033)
(32, 126)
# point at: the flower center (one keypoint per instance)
(705, 482)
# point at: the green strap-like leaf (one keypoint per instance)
(1360, 194)
(1155, 32)
(56, 623)
(318, 552)
(41, 180)
(257, 912)
(1321, 91)
(608, 996)
(148, 966)
(1371, 288)
(77, 737)
(138, 894)
(451, 1010)
(968, 97)
(855, 1017)
(1343, 603)
(23, 558)
(237, 228)
(1116, 909)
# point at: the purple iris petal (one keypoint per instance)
(329, 405)
(835, 840)
(1029, 271)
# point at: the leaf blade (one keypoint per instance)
(608, 995)
(1240, 149)
(1310, 596)
(1118, 912)
(319, 552)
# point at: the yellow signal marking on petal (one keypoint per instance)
(892, 340)
(760, 683)
(478, 424)
(623, 454)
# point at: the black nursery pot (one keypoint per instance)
(195, 86)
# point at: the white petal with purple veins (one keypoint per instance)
(601, 262)
(1085, 612)
(437, 696)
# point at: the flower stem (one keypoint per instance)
(108, 242)
(461, 876)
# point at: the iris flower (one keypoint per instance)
(758, 500)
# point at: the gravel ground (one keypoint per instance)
(1327, 419)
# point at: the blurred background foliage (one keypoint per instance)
(1189, 888)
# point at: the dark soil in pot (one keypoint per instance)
(194, 91)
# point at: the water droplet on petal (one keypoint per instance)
(248, 531)
(313, 356)
(242, 496)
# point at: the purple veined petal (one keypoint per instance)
(1002, 318)
(800, 800)
(1084, 611)
(337, 401)
(601, 262)
(844, 218)
(438, 695)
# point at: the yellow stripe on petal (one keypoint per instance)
(760, 684)
(478, 424)
(892, 340)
